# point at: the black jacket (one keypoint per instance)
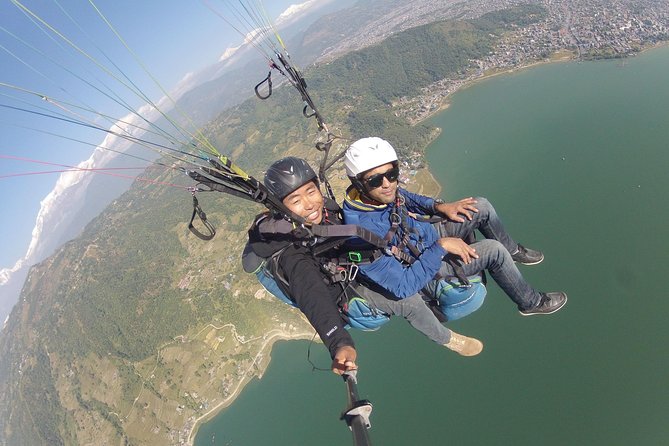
(307, 284)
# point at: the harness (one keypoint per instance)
(325, 242)
(399, 228)
(398, 222)
(339, 268)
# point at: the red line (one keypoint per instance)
(100, 170)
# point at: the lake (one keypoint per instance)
(574, 156)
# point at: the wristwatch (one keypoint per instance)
(435, 203)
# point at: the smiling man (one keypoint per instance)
(376, 202)
(305, 282)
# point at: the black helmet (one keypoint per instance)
(288, 174)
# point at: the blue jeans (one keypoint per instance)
(494, 253)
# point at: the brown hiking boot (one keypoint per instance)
(464, 345)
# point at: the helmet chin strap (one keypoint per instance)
(366, 197)
(360, 187)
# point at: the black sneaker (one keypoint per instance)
(549, 304)
(527, 256)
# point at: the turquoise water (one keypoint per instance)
(574, 157)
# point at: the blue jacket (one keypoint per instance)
(387, 271)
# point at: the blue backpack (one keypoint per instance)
(356, 311)
(453, 299)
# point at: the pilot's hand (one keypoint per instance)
(344, 360)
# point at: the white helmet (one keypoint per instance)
(366, 154)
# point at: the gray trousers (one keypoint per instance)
(413, 309)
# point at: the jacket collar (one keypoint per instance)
(354, 200)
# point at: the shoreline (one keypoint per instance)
(266, 348)
(469, 83)
(567, 57)
(446, 104)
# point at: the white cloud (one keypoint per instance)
(70, 189)
(74, 182)
(188, 82)
(295, 10)
(6, 273)
(288, 16)
(48, 213)
(231, 51)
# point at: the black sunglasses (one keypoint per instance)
(377, 180)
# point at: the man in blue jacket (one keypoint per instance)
(422, 252)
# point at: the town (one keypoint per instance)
(573, 29)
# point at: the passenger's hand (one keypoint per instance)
(453, 211)
(344, 360)
(459, 248)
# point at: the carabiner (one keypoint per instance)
(352, 272)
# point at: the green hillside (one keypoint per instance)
(130, 332)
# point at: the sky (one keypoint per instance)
(172, 39)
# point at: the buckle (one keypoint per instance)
(395, 219)
(355, 256)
